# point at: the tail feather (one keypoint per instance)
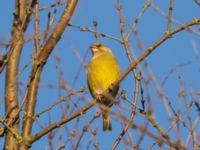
(106, 122)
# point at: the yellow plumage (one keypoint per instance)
(102, 71)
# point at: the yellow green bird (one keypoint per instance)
(103, 70)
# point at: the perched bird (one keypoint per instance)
(103, 70)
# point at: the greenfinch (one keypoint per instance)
(103, 70)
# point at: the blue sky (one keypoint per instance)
(177, 50)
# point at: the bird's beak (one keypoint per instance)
(93, 48)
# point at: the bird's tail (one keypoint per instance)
(106, 121)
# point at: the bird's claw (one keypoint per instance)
(111, 87)
(99, 98)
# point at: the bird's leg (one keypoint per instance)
(110, 88)
(99, 98)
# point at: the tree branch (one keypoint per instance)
(123, 75)
(20, 22)
(37, 70)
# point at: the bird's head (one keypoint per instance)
(98, 49)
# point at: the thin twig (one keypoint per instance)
(62, 99)
(36, 36)
(63, 121)
(146, 5)
(86, 29)
(85, 129)
(170, 16)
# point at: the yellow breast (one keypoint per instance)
(102, 71)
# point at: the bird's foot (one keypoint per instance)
(99, 98)
(111, 87)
